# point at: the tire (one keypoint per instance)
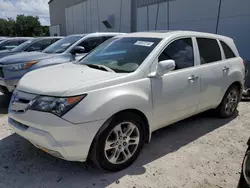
(113, 159)
(242, 182)
(223, 109)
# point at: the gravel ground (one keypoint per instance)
(200, 152)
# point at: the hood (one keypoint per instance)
(3, 51)
(24, 57)
(7, 53)
(56, 80)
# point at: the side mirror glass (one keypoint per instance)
(78, 50)
(163, 68)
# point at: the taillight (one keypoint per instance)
(245, 64)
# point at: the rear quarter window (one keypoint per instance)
(227, 50)
(209, 50)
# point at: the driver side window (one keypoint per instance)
(39, 46)
(91, 43)
(181, 51)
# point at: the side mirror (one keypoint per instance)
(78, 50)
(163, 68)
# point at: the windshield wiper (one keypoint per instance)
(100, 67)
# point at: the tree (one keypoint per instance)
(45, 30)
(26, 26)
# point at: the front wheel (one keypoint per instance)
(229, 103)
(119, 144)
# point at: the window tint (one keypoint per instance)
(209, 50)
(227, 50)
(23, 46)
(181, 51)
(40, 45)
(91, 43)
(61, 45)
(21, 41)
(107, 37)
(54, 40)
(9, 45)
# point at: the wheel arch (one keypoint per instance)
(147, 129)
(237, 84)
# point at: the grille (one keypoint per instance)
(1, 72)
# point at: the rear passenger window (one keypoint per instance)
(181, 51)
(209, 50)
(227, 50)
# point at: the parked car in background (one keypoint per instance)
(9, 44)
(106, 106)
(2, 38)
(70, 48)
(37, 44)
(246, 91)
(245, 172)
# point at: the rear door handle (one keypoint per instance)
(192, 78)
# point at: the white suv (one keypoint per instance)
(106, 106)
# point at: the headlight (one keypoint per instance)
(21, 66)
(57, 106)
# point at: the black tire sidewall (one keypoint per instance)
(100, 158)
(242, 182)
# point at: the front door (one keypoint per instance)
(176, 94)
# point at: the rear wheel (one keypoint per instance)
(230, 102)
(118, 146)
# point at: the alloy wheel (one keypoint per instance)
(231, 102)
(122, 143)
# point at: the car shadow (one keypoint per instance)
(27, 166)
(4, 103)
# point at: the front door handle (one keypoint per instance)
(192, 78)
(225, 68)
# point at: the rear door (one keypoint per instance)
(213, 71)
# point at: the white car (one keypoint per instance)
(106, 106)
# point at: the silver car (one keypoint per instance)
(71, 48)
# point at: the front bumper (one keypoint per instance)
(55, 135)
(8, 85)
(9, 79)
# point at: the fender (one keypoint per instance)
(103, 103)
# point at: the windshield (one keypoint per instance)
(22, 46)
(62, 45)
(122, 55)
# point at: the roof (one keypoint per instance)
(105, 34)
(164, 34)
(50, 37)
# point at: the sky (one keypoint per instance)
(40, 8)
